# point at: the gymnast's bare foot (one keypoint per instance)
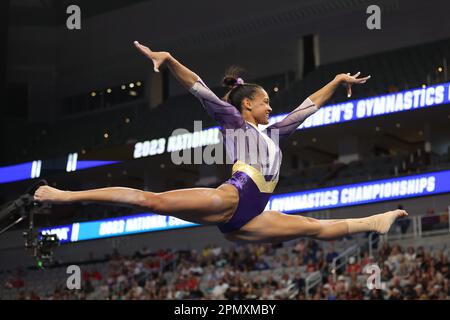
(51, 195)
(382, 222)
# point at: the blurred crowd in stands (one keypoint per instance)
(255, 272)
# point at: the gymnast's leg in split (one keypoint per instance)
(214, 206)
(274, 227)
(198, 205)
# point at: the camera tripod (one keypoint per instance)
(11, 214)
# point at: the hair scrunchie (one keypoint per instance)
(239, 81)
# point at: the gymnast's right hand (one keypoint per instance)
(158, 58)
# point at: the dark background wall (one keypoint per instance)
(208, 36)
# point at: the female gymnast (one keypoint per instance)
(237, 206)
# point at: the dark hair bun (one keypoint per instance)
(229, 81)
(232, 75)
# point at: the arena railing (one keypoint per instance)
(338, 263)
(311, 281)
(341, 260)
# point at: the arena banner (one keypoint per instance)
(39, 168)
(333, 114)
(121, 226)
(362, 193)
(297, 202)
(377, 106)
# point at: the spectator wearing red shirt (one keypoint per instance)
(353, 266)
(192, 282)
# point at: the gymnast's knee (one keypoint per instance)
(315, 230)
(151, 201)
(328, 232)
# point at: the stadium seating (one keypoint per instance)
(411, 269)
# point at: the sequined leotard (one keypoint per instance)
(255, 153)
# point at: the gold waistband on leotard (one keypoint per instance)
(256, 176)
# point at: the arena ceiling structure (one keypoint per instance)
(259, 15)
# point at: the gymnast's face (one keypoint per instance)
(260, 106)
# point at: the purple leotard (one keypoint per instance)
(255, 153)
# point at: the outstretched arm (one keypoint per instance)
(186, 77)
(224, 113)
(293, 120)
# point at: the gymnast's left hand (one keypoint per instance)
(349, 80)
